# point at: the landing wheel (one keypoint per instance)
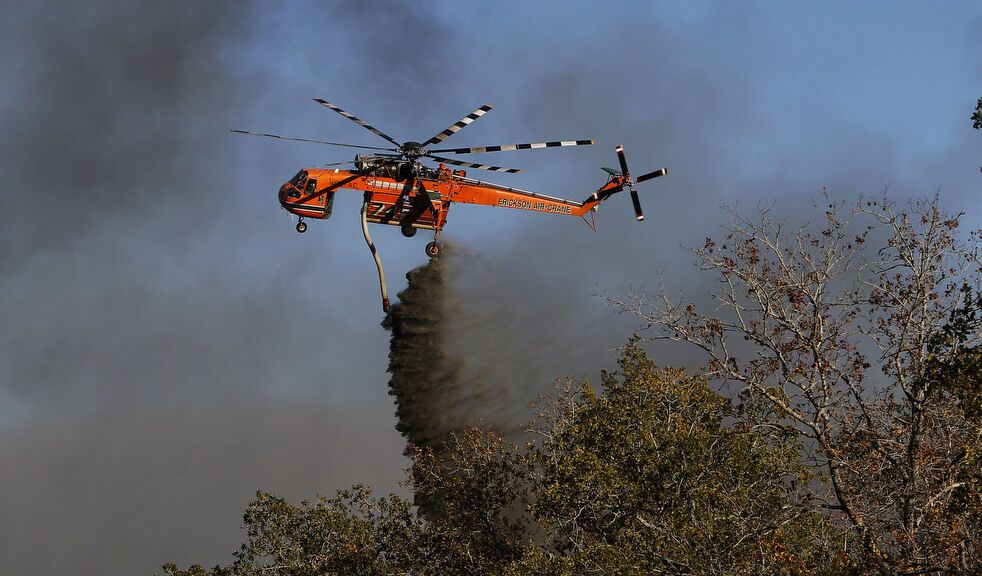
(301, 227)
(408, 231)
(434, 249)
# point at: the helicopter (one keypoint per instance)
(399, 190)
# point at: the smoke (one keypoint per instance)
(442, 382)
(424, 378)
(170, 345)
(470, 350)
(453, 359)
(114, 101)
(168, 348)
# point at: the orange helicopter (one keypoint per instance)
(400, 191)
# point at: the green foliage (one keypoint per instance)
(351, 534)
(481, 487)
(655, 475)
(977, 116)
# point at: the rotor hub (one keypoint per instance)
(412, 150)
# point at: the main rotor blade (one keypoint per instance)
(357, 120)
(509, 147)
(470, 165)
(655, 174)
(457, 126)
(313, 141)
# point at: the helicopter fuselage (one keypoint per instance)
(413, 196)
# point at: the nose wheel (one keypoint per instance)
(434, 249)
(301, 226)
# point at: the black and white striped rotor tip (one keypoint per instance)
(457, 126)
(487, 167)
(356, 120)
(509, 147)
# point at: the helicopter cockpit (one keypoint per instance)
(300, 185)
(299, 195)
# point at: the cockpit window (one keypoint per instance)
(311, 186)
(299, 178)
(297, 183)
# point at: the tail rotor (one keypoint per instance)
(628, 182)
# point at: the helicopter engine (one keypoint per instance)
(367, 163)
(385, 166)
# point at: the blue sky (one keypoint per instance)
(172, 344)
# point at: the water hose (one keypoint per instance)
(378, 260)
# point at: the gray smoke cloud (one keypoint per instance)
(460, 357)
(463, 354)
(425, 378)
(164, 354)
(455, 364)
(170, 345)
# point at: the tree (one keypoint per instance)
(977, 116)
(850, 441)
(480, 524)
(350, 534)
(647, 477)
(954, 365)
(856, 346)
(478, 480)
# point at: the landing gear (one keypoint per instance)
(434, 249)
(301, 226)
(408, 231)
